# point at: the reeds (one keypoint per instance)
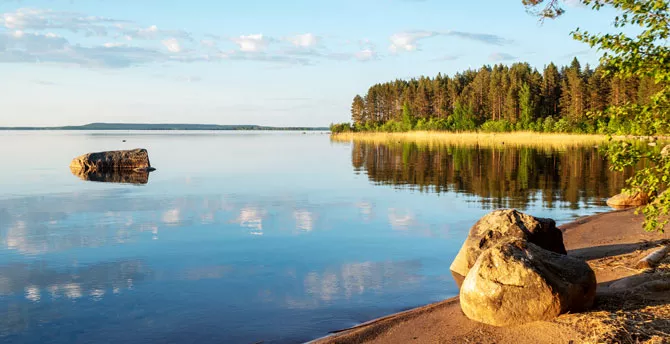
(489, 140)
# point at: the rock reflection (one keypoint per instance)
(121, 177)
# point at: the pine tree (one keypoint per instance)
(526, 104)
(551, 91)
(358, 115)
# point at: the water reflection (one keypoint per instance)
(501, 177)
(268, 248)
(38, 282)
(304, 220)
(357, 278)
(121, 177)
(252, 218)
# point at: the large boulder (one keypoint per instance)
(501, 225)
(627, 200)
(517, 282)
(113, 161)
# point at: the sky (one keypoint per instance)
(266, 62)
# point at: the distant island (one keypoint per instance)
(165, 126)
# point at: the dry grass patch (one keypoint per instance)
(630, 320)
(633, 316)
(516, 139)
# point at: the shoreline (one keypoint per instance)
(608, 241)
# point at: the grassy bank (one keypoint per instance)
(514, 139)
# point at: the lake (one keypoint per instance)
(245, 237)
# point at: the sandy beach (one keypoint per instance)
(611, 243)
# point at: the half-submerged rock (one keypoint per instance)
(517, 282)
(627, 200)
(112, 161)
(501, 225)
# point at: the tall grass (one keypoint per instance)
(513, 139)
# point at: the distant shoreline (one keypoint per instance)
(165, 127)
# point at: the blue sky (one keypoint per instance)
(265, 62)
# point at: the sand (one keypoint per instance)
(611, 243)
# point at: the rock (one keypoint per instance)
(126, 160)
(626, 200)
(505, 224)
(517, 282)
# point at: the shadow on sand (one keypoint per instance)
(605, 251)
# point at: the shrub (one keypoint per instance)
(340, 127)
(499, 126)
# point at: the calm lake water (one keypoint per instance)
(249, 237)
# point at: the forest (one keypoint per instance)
(499, 98)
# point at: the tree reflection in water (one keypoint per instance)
(501, 177)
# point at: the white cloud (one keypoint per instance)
(407, 41)
(172, 45)
(38, 36)
(153, 32)
(252, 43)
(366, 55)
(498, 57)
(449, 57)
(306, 40)
(41, 19)
(208, 43)
(148, 32)
(114, 45)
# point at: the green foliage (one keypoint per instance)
(463, 119)
(340, 127)
(526, 104)
(548, 125)
(562, 126)
(408, 119)
(500, 126)
(652, 179)
(644, 56)
(517, 93)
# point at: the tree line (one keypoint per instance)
(572, 98)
